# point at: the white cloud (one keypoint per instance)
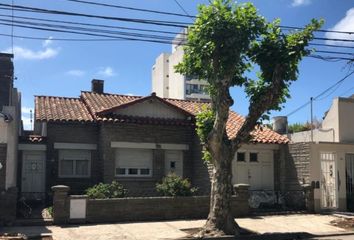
(106, 72)
(346, 24)
(27, 123)
(28, 54)
(76, 73)
(47, 42)
(26, 110)
(297, 3)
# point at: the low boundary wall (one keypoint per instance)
(78, 208)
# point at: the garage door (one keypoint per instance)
(255, 169)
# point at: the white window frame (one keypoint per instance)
(127, 167)
(85, 156)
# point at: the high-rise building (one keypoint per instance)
(167, 83)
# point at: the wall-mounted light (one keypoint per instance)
(0, 166)
(7, 118)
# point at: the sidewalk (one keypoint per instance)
(310, 223)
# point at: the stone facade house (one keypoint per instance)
(100, 137)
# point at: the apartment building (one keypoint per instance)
(166, 83)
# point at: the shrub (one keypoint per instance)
(50, 210)
(105, 190)
(173, 185)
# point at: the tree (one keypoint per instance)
(224, 43)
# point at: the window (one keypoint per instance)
(241, 157)
(253, 157)
(74, 163)
(131, 162)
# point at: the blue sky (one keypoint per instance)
(65, 68)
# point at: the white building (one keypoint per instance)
(166, 83)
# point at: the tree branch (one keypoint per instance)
(257, 109)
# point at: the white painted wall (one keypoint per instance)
(339, 150)
(12, 143)
(177, 82)
(346, 119)
(331, 121)
(151, 108)
(160, 75)
(260, 175)
(3, 131)
(319, 135)
(165, 81)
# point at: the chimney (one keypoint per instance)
(6, 79)
(97, 86)
(280, 124)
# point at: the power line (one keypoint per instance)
(50, 11)
(132, 8)
(184, 10)
(135, 29)
(146, 21)
(322, 93)
(331, 45)
(91, 24)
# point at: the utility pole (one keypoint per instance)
(311, 101)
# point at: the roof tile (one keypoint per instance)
(87, 107)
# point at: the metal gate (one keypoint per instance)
(349, 174)
(329, 196)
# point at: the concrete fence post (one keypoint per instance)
(242, 190)
(309, 197)
(61, 204)
(240, 204)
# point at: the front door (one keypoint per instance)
(174, 162)
(33, 174)
(328, 181)
(349, 175)
(255, 169)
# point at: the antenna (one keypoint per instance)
(31, 120)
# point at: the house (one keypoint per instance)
(100, 137)
(10, 115)
(330, 156)
(166, 83)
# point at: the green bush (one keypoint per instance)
(173, 185)
(50, 210)
(105, 190)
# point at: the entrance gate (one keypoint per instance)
(329, 196)
(349, 175)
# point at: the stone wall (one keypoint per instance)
(142, 208)
(3, 150)
(71, 133)
(294, 173)
(144, 133)
(201, 170)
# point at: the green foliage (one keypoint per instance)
(173, 185)
(228, 39)
(105, 190)
(299, 127)
(50, 210)
(204, 124)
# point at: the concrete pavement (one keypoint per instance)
(310, 223)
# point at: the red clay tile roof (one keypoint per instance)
(88, 107)
(61, 109)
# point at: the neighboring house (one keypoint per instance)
(10, 115)
(330, 156)
(169, 84)
(100, 137)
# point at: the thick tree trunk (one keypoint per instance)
(220, 220)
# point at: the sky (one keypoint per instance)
(59, 68)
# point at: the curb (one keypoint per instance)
(276, 236)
